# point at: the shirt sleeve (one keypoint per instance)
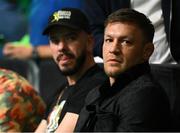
(76, 102)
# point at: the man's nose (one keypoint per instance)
(62, 45)
(115, 47)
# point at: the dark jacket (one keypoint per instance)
(98, 10)
(134, 103)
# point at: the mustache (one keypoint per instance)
(64, 53)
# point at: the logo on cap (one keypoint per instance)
(61, 15)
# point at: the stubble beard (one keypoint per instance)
(79, 62)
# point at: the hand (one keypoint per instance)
(18, 52)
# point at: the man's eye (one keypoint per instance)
(108, 40)
(55, 41)
(125, 42)
(71, 38)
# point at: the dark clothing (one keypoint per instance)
(134, 103)
(75, 95)
(175, 30)
(98, 10)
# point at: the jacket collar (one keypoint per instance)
(124, 79)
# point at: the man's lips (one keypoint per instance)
(114, 61)
(64, 57)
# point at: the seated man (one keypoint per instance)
(71, 44)
(130, 100)
(21, 109)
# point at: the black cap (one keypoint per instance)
(70, 17)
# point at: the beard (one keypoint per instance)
(79, 62)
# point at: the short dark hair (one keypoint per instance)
(131, 16)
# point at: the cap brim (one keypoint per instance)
(47, 29)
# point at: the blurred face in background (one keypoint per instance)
(69, 49)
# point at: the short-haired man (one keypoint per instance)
(71, 44)
(130, 100)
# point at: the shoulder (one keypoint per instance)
(146, 102)
(96, 75)
(13, 83)
(143, 93)
(144, 85)
(19, 101)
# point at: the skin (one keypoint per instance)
(42, 127)
(123, 48)
(66, 125)
(22, 52)
(72, 51)
(18, 52)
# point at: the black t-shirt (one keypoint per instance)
(73, 97)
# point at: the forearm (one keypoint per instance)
(68, 123)
(44, 51)
(42, 127)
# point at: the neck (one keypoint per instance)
(72, 79)
(112, 80)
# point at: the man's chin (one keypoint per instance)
(113, 73)
(68, 72)
(65, 64)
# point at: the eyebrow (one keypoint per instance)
(71, 33)
(121, 37)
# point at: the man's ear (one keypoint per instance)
(148, 50)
